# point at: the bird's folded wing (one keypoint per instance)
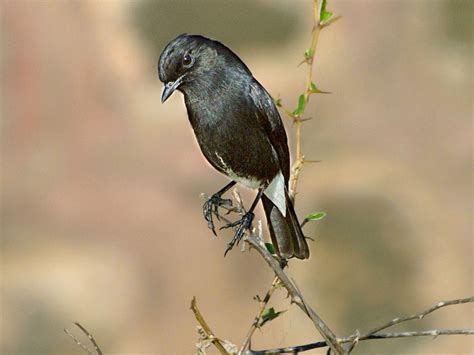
(270, 120)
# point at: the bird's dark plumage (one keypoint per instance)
(238, 128)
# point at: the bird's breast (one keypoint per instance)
(232, 141)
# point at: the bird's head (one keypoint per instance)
(189, 60)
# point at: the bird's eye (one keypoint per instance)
(188, 60)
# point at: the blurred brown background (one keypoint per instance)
(101, 215)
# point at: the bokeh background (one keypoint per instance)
(101, 209)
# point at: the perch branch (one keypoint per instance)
(296, 297)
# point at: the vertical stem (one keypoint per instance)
(314, 42)
(298, 124)
(297, 120)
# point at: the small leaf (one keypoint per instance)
(314, 89)
(308, 53)
(270, 248)
(300, 108)
(269, 314)
(316, 216)
(324, 15)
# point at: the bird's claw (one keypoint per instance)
(210, 207)
(241, 226)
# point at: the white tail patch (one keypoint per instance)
(276, 192)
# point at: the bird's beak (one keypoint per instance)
(170, 87)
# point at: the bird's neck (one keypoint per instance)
(208, 88)
(214, 86)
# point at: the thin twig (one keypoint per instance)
(256, 321)
(206, 328)
(355, 338)
(97, 349)
(322, 344)
(421, 333)
(420, 315)
(286, 110)
(296, 296)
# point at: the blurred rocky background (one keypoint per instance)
(101, 214)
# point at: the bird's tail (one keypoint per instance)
(287, 236)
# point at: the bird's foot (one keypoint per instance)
(240, 226)
(211, 207)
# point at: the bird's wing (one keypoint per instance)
(270, 120)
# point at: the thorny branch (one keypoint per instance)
(256, 241)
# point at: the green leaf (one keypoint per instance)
(308, 53)
(316, 216)
(314, 89)
(270, 248)
(269, 314)
(277, 102)
(324, 15)
(300, 108)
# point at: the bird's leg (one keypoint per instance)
(213, 202)
(242, 224)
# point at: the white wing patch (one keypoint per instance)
(276, 192)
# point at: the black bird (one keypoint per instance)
(239, 131)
